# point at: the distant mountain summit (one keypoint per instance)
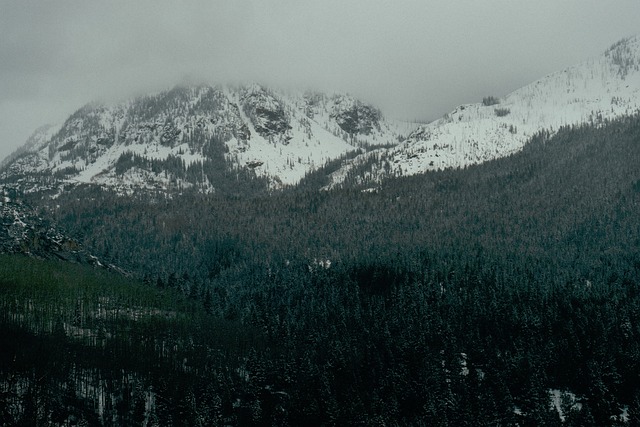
(200, 137)
(34, 143)
(235, 138)
(599, 89)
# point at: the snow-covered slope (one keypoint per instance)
(598, 89)
(34, 143)
(199, 136)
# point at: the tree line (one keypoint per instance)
(459, 297)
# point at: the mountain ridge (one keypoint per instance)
(601, 88)
(188, 136)
(217, 138)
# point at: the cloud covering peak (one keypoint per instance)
(415, 59)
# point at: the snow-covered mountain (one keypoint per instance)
(34, 143)
(591, 92)
(197, 136)
(204, 136)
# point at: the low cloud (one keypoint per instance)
(414, 59)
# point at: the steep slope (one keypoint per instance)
(34, 143)
(200, 137)
(592, 92)
(26, 232)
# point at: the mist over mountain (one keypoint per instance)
(201, 137)
(596, 90)
(414, 62)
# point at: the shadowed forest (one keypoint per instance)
(458, 297)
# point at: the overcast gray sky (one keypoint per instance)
(415, 59)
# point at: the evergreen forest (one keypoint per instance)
(502, 294)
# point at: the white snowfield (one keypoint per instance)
(602, 88)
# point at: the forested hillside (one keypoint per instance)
(566, 203)
(458, 297)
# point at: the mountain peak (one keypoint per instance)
(594, 91)
(202, 137)
(219, 138)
